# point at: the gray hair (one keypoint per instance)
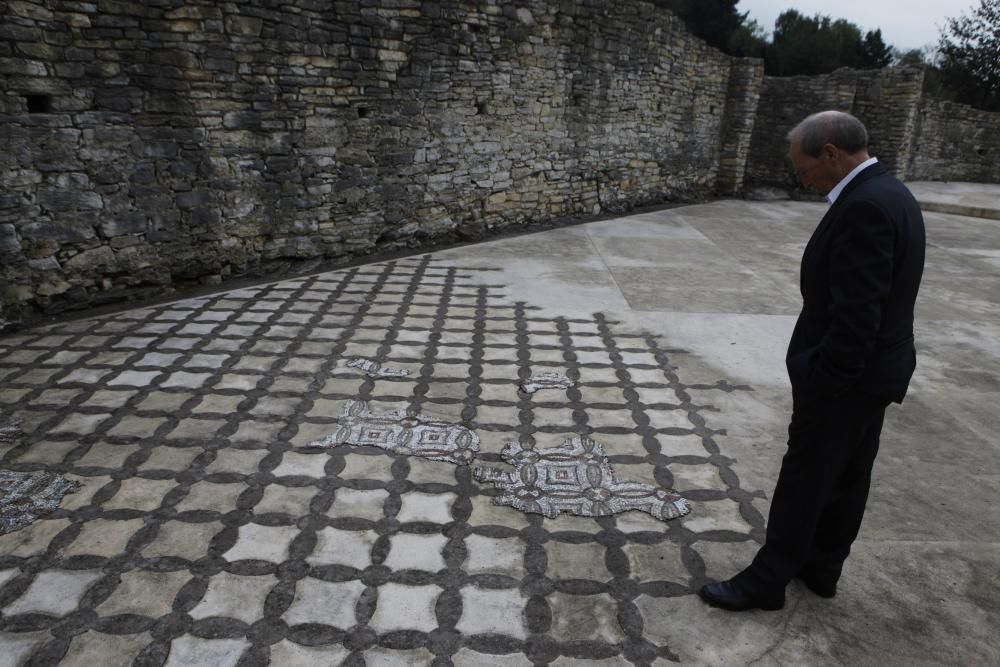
(830, 127)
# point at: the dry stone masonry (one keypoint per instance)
(158, 142)
(153, 144)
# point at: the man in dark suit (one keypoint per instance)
(850, 355)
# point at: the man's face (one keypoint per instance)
(818, 173)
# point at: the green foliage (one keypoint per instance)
(874, 51)
(801, 45)
(969, 51)
(818, 44)
(718, 23)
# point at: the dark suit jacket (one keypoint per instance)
(859, 280)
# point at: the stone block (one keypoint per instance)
(244, 26)
(55, 199)
(45, 231)
(91, 260)
(44, 264)
(129, 222)
(241, 120)
(193, 12)
(22, 67)
(8, 239)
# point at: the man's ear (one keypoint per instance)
(830, 151)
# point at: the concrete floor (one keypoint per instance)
(207, 532)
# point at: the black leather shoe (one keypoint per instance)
(821, 586)
(727, 595)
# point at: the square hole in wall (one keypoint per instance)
(39, 103)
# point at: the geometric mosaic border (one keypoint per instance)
(149, 408)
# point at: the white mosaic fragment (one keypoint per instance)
(25, 496)
(575, 478)
(374, 369)
(403, 433)
(547, 380)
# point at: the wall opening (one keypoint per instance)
(39, 103)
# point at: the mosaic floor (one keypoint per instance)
(207, 532)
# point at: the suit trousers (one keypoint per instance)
(822, 489)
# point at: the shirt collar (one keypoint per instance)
(833, 194)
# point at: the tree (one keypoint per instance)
(969, 49)
(911, 58)
(875, 53)
(747, 40)
(797, 46)
(720, 25)
(818, 44)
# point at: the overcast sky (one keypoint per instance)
(905, 24)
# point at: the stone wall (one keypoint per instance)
(745, 79)
(885, 100)
(164, 142)
(915, 136)
(954, 142)
(155, 142)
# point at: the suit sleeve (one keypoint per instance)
(860, 279)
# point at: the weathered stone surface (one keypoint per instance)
(308, 130)
(90, 260)
(244, 26)
(131, 222)
(8, 239)
(44, 230)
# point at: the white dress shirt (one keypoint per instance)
(833, 194)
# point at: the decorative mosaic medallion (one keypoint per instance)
(24, 497)
(10, 430)
(577, 478)
(402, 433)
(546, 381)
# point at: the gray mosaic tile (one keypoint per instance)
(330, 603)
(426, 507)
(343, 547)
(289, 654)
(261, 543)
(403, 607)
(53, 592)
(18, 646)
(492, 612)
(235, 596)
(418, 552)
(96, 648)
(103, 537)
(190, 651)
